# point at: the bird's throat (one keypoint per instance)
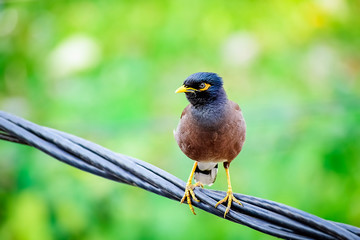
(209, 116)
(208, 108)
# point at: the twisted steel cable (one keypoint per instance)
(269, 217)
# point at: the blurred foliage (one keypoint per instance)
(107, 71)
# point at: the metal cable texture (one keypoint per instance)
(263, 215)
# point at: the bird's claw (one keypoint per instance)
(229, 198)
(189, 193)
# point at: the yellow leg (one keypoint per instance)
(189, 190)
(229, 196)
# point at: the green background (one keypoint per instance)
(107, 71)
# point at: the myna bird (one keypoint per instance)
(211, 130)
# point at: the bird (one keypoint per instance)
(211, 130)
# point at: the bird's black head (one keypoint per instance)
(203, 88)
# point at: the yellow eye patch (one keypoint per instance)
(206, 87)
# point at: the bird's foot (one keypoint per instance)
(229, 198)
(189, 193)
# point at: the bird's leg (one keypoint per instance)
(229, 196)
(189, 190)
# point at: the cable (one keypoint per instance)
(263, 215)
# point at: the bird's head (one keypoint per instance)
(202, 87)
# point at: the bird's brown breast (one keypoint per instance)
(219, 143)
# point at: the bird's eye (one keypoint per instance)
(204, 86)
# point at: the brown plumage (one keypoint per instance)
(219, 143)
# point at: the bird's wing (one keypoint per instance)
(184, 112)
(239, 115)
(235, 105)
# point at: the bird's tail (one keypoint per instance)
(206, 172)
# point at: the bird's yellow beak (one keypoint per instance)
(185, 89)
